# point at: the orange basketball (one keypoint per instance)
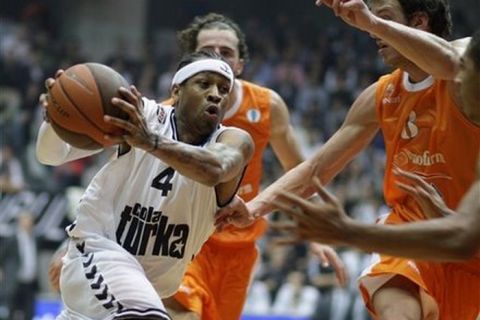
(79, 99)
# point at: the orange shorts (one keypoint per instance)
(448, 291)
(216, 282)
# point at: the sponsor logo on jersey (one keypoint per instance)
(141, 225)
(426, 159)
(254, 115)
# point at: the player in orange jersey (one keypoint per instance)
(425, 132)
(217, 281)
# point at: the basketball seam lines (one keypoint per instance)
(80, 110)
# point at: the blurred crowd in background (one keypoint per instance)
(318, 79)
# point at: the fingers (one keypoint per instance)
(49, 83)
(414, 178)
(287, 209)
(323, 193)
(337, 265)
(320, 254)
(293, 199)
(59, 73)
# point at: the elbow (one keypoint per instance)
(211, 177)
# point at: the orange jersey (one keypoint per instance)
(251, 112)
(425, 133)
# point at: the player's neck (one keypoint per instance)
(415, 74)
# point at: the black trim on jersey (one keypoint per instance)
(142, 314)
(123, 149)
(236, 189)
(234, 194)
(173, 122)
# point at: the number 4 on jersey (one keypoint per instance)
(162, 181)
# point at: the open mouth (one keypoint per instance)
(213, 110)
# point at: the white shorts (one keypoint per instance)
(101, 280)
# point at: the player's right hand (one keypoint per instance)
(235, 213)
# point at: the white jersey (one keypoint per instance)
(159, 216)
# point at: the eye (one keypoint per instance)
(224, 89)
(226, 53)
(203, 84)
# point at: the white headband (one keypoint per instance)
(213, 65)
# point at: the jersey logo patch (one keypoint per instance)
(161, 115)
(254, 115)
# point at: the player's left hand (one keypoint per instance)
(324, 222)
(425, 194)
(235, 213)
(136, 132)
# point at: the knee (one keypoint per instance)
(396, 313)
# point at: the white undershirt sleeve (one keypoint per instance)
(53, 151)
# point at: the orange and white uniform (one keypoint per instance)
(217, 280)
(425, 133)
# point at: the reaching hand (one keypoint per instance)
(353, 12)
(235, 213)
(425, 194)
(325, 222)
(137, 133)
(329, 257)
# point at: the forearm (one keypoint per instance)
(207, 166)
(51, 150)
(438, 239)
(442, 60)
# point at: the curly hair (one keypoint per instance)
(438, 12)
(187, 38)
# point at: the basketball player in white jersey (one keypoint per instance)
(148, 211)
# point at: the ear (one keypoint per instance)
(419, 20)
(175, 93)
(239, 67)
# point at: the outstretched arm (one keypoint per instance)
(443, 58)
(357, 131)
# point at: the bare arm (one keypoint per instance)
(357, 131)
(53, 151)
(443, 58)
(282, 136)
(220, 162)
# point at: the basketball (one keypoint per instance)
(79, 99)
